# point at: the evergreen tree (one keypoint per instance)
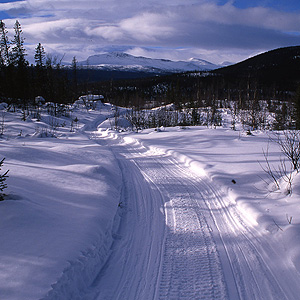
(18, 50)
(40, 71)
(4, 45)
(297, 108)
(40, 55)
(74, 75)
(21, 86)
(50, 78)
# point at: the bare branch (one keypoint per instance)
(268, 169)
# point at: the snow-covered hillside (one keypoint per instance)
(123, 61)
(166, 213)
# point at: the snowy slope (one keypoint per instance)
(56, 222)
(123, 61)
(97, 214)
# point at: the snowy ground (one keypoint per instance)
(162, 214)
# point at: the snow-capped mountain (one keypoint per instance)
(123, 61)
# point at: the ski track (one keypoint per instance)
(178, 237)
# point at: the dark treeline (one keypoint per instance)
(20, 82)
(189, 89)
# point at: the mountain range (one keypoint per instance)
(278, 68)
(120, 61)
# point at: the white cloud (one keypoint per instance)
(12, 5)
(56, 29)
(110, 33)
(184, 24)
(214, 56)
(148, 27)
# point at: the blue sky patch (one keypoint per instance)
(4, 15)
(283, 5)
(8, 1)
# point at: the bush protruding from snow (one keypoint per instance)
(3, 106)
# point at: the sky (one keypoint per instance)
(214, 30)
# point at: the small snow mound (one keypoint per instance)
(112, 123)
(44, 133)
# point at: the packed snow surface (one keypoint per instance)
(174, 213)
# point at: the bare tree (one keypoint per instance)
(2, 123)
(289, 143)
(271, 172)
(3, 178)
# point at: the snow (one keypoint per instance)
(161, 214)
(62, 198)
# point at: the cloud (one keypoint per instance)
(228, 14)
(12, 5)
(207, 25)
(169, 24)
(146, 28)
(54, 31)
(14, 9)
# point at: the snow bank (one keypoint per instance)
(57, 220)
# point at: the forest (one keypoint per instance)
(253, 86)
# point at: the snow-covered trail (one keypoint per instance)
(131, 271)
(180, 238)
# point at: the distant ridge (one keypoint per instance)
(279, 66)
(119, 61)
(285, 59)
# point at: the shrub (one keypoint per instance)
(3, 178)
